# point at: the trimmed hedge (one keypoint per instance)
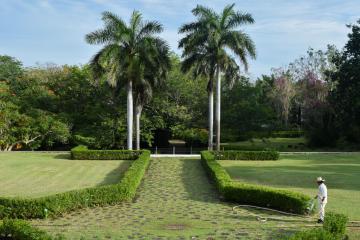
(58, 204)
(251, 194)
(247, 155)
(81, 152)
(287, 134)
(15, 229)
(231, 147)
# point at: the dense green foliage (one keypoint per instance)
(59, 107)
(247, 155)
(252, 194)
(58, 204)
(333, 229)
(83, 153)
(14, 229)
(335, 223)
(344, 98)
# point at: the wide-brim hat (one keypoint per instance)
(320, 179)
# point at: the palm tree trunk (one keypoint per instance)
(211, 117)
(218, 108)
(130, 113)
(138, 110)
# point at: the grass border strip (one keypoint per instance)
(57, 204)
(252, 194)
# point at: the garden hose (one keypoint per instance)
(264, 219)
(305, 218)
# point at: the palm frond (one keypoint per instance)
(226, 14)
(113, 20)
(150, 28)
(204, 12)
(101, 36)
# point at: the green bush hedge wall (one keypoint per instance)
(247, 155)
(83, 153)
(242, 193)
(287, 134)
(58, 204)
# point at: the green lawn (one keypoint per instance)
(40, 174)
(175, 201)
(298, 172)
(280, 144)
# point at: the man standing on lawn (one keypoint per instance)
(322, 198)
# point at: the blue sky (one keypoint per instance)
(42, 31)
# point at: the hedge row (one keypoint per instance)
(58, 204)
(20, 230)
(242, 193)
(247, 155)
(287, 134)
(83, 153)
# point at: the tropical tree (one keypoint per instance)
(200, 61)
(153, 74)
(282, 93)
(128, 49)
(210, 42)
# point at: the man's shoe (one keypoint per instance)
(320, 221)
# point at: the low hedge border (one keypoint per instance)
(58, 204)
(288, 134)
(81, 152)
(21, 230)
(247, 155)
(251, 194)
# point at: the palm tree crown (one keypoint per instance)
(211, 42)
(130, 51)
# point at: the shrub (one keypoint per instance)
(15, 229)
(313, 234)
(247, 155)
(252, 194)
(83, 153)
(335, 223)
(333, 229)
(58, 204)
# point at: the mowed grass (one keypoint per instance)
(298, 172)
(40, 174)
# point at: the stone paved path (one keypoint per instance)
(175, 201)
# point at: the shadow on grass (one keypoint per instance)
(116, 174)
(197, 184)
(63, 156)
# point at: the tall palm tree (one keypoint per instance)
(128, 48)
(153, 75)
(198, 60)
(219, 37)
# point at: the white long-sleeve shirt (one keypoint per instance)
(322, 193)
